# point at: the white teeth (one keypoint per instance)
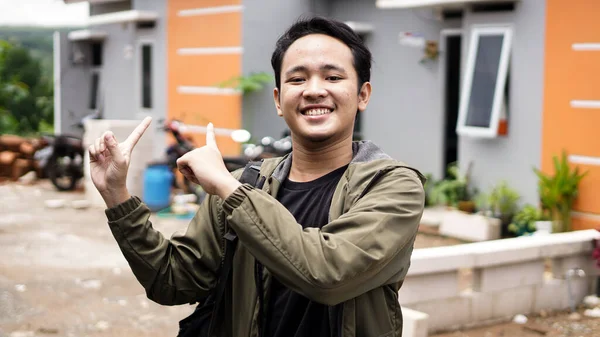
(316, 112)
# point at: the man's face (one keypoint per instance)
(319, 96)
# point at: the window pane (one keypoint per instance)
(147, 76)
(96, 54)
(485, 76)
(94, 91)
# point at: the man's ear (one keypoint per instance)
(364, 95)
(277, 101)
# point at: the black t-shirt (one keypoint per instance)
(289, 313)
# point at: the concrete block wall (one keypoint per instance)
(509, 277)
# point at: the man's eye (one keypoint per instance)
(296, 79)
(334, 78)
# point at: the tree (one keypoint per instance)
(26, 101)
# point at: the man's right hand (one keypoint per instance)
(109, 162)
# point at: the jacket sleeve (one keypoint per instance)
(176, 271)
(366, 247)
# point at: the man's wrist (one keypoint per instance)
(115, 197)
(229, 185)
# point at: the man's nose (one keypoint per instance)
(315, 88)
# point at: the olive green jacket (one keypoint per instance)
(357, 261)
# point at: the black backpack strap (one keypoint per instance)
(250, 175)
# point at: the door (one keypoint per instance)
(451, 41)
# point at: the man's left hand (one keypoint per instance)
(205, 167)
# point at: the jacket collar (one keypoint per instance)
(362, 151)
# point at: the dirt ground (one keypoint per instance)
(62, 274)
(557, 324)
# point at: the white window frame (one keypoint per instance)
(497, 105)
(142, 111)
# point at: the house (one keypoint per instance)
(505, 85)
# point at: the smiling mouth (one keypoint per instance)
(317, 112)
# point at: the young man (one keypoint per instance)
(331, 232)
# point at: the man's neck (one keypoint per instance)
(311, 163)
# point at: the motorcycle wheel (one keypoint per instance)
(62, 175)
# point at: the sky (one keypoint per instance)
(42, 13)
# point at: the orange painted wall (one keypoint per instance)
(204, 31)
(573, 75)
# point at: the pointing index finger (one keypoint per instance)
(137, 133)
(210, 136)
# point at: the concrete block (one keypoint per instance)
(440, 259)
(507, 303)
(428, 287)
(561, 265)
(495, 278)
(507, 251)
(447, 314)
(415, 323)
(571, 243)
(471, 227)
(551, 295)
(580, 288)
(481, 306)
(554, 293)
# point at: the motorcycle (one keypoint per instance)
(61, 157)
(266, 148)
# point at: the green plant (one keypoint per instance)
(453, 189)
(524, 220)
(559, 191)
(503, 200)
(249, 83)
(428, 187)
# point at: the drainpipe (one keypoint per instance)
(574, 272)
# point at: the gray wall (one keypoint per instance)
(511, 158)
(261, 27)
(158, 35)
(117, 72)
(75, 87)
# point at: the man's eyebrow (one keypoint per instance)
(324, 67)
(296, 69)
(332, 67)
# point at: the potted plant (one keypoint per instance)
(559, 191)
(503, 202)
(454, 191)
(524, 222)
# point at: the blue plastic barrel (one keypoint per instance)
(158, 180)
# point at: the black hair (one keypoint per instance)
(321, 25)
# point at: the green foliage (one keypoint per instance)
(451, 190)
(524, 221)
(503, 200)
(428, 187)
(559, 191)
(38, 41)
(26, 97)
(250, 83)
